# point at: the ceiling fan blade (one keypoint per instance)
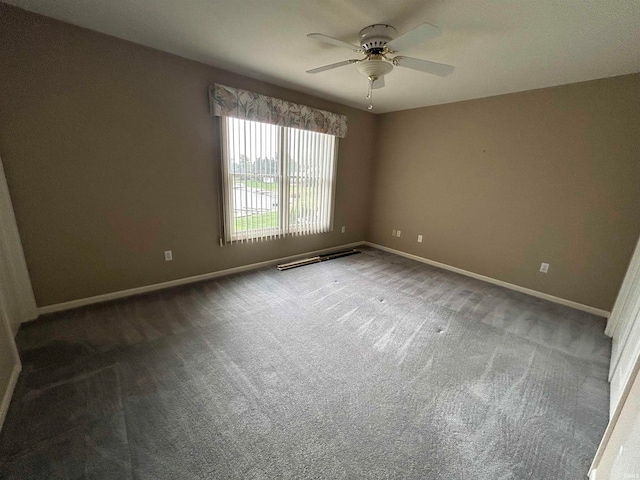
(440, 69)
(420, 34)
(334, 41)
(333, 65)
(379, 83)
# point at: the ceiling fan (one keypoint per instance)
(376, 43)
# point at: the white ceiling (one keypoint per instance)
(498, 46)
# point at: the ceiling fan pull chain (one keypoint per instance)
(370, 93)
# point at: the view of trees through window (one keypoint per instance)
(256, 193)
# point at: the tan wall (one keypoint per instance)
(498, 185)
(110, 155)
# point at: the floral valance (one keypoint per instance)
(233, 102)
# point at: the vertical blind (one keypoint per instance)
(276, 180)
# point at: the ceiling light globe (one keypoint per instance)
(373, 68)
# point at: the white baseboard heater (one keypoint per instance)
(317, 259)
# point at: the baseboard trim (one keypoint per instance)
(8, 394)
(511, 286)
(58, 307)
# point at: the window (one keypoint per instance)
(276, 180)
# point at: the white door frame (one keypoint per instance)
(621, 326)
(624, 293)
(19, 301)
(7, 333)
(613, 422)
(624, 328)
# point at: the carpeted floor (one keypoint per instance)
(369, 366)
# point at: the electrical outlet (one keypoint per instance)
(544, 267)
(168, 255)
(419, 238)
(398, 235)
(343, 229)
(393, 233)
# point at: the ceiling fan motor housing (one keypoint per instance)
(375, 37)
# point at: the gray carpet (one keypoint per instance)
(369, 366)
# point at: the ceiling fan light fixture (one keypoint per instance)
(374, 68)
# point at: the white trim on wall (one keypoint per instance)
(624, 328)
(58, 307)
(15, 284)
(6, 341)
(614, 418)
(620, 312)
(8, 393)
(511, 286)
